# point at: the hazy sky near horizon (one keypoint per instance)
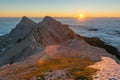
(59, 8)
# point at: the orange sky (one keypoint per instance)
(59, 8)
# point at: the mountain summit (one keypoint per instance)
(29, 37)
(48, 49)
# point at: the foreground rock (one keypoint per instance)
(109, 69)
(34, 49)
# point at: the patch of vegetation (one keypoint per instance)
(77, 68)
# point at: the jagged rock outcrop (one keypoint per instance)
(99, 43)
(28, 38)
(53, 32)
(20, 42)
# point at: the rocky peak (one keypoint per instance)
(54, 32)
(25, 27)
(28, 38)
(47, 42)
(25, 19)
(50, 20)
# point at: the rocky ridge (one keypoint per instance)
(29, 37)
(29, 46)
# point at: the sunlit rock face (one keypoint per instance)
(53, 32)
(28, 38)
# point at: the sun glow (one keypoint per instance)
(81, 15)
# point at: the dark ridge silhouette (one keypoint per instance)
(101, 44)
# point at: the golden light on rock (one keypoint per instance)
(42, 60)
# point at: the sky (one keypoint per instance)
(59, 8)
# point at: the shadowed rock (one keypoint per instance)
(20, 42)
(99, 43)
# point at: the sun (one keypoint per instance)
(81, 15)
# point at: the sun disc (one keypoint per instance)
(81, 15)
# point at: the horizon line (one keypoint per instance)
(59, 17)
